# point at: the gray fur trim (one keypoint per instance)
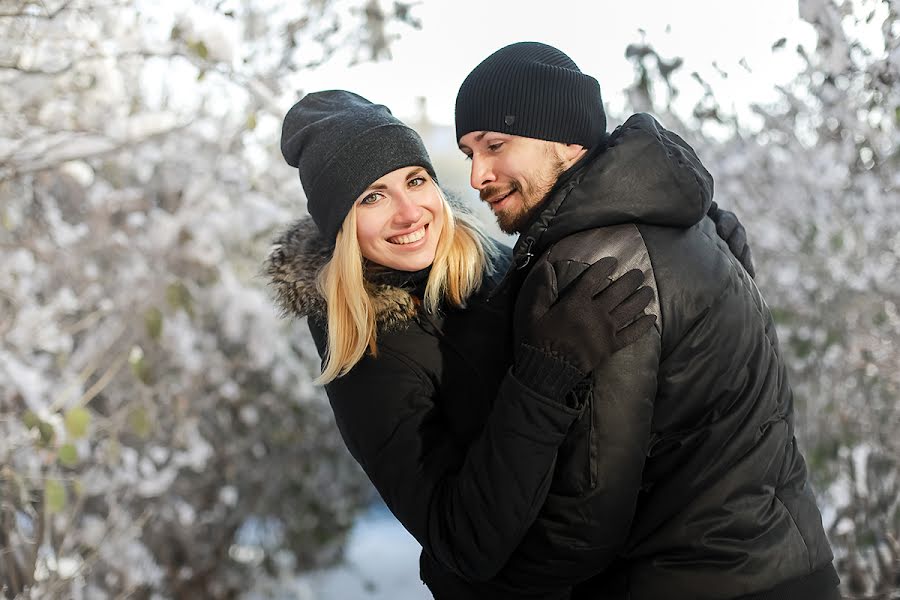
(293, 264)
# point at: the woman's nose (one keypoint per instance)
(408, 210)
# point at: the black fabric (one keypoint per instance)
(564, 334)
(341, 143)
(819, 585)
(411, 281)
(729, 228)
(533, 90)
(461, 451)
(699, 490)
(549, 374)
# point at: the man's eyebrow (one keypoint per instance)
(478, 138)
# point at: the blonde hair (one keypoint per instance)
(461, 260)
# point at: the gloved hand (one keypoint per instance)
(730, 229)
(560, 339)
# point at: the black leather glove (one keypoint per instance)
(730, 229)
(562, 338)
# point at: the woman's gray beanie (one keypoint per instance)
(341, 143)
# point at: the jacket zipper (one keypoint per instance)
(529, 243)
(519, 263)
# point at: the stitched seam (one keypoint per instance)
(652, 274)
(797, 528)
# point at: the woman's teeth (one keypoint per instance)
(409, 238)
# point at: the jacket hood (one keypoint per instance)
(645, 174)
(294, 261)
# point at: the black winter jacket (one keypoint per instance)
(696, 486)
(461, 452)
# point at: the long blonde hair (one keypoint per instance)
(462, 258)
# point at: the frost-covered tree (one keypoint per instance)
(159, 431)
(816, 181)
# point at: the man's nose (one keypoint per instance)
(482, 174)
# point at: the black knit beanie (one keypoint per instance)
(341, 143)
(533, 90)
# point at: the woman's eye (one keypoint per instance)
(495, 147)
(370, 199)
(416, 181)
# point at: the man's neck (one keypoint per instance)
(584, 157)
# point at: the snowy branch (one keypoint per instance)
(27, 11)
(103, 147)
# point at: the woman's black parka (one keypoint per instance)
(460, 451)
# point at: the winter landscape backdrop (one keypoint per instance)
(160, 436)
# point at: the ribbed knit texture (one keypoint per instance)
(549, 375)
(341, 143)
(532, 90)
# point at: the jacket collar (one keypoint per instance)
(644, 174)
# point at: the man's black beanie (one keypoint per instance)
(533, 90)
(341, 143)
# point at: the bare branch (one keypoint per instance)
(89, 370)
(46, 14)
(100, 56)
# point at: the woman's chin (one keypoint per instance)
(410, 262)
(415, 265)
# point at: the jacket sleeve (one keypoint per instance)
(578, 535)
(468, 507)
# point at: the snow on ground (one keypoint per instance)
(382, 563)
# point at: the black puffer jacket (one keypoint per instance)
(697, 489)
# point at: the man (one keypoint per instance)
(692, 483)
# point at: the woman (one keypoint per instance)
(416, 356)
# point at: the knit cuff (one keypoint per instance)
(548, 374)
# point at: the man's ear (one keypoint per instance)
(571, 153)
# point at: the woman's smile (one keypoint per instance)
(411, 238)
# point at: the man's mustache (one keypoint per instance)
(496, 191)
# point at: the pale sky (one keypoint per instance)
(456, 35)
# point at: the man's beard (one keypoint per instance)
(533, 193)
(514, 219)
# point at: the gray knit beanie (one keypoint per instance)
(533, 90)
(341, 143)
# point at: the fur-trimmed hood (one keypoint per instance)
(294, 262)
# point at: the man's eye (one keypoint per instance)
(495, 147)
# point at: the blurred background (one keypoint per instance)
(160, 436)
